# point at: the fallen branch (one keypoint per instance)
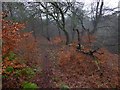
(96, 60)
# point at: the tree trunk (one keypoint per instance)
(34, 31)
(97, 16)
(67, 36)
(79, 40)
(41, 24)
(59, 32)
(47, 22)
(73, 21)
(73, 35)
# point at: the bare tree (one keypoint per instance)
(97, 14)
(58, 16)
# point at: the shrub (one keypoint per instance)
(64, 87)
(4, 76)
(27, 72)
(17, 73)
(9, 69)
(11, 56)
(29, 85)
(10, 35)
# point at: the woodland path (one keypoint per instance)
(47, 53)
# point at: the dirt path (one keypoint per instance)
(46, 51)
(46, 69)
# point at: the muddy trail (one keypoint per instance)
(47, 64)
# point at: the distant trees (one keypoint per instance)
(96, 14)
(48, 11)
(58, 13)
(17, 11)
(76, 13)
(62, 23)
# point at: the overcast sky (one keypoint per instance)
(107, 3)
(110, 3)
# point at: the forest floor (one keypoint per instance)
(74, 74)
(58, 67)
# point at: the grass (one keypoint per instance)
(28, 71)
